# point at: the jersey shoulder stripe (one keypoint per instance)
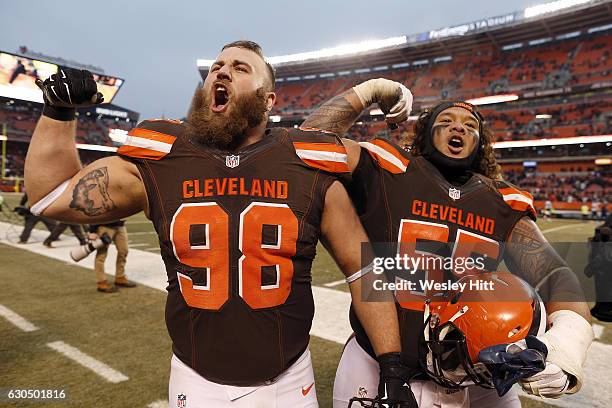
(319, 149)
(518, 200)
(386, 155)
(149, 140)
(329, 157)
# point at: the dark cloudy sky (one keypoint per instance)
(154, 45)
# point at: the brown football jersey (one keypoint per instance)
(238, 233)
(404, 200)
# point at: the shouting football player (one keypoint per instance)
(238, 210)
(447, 191)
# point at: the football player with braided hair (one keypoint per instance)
(239, 210)
(444, 198)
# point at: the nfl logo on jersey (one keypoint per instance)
(181, 401)
(454, 193)
(232, 161)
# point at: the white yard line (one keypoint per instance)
(546, 231)
(17, 320)
(98, 367)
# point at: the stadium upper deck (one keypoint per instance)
(499, 33)
(531, 53)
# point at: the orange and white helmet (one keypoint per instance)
(468, 321)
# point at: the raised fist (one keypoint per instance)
(70, 88)
(393, 98)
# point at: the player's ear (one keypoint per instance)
(270, 99)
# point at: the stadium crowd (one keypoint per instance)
(20, 119)
(563, 187)
(484, 71)
(554, 66)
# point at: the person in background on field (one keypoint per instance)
(548, 209)
(584, 211)
(30, 220)
(76, 229)
(118, 234)
(599, 267)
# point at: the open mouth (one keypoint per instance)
(220, 98)
(455, 145)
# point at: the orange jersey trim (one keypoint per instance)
(518, 200)
(147, 144)
(152, 135)
(325, 156)
(140, 153)
(386, 156)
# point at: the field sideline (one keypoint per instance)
(125, 331)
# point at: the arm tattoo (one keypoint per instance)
(336, 115)
(529, 255)
(90, 195)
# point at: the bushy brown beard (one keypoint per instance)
(225, 132)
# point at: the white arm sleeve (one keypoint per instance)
(49, 199)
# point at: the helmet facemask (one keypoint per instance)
(447, 361)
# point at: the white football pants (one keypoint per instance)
(293, 388)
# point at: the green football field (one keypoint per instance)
(126, 331)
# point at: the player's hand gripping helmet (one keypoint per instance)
(467, 322)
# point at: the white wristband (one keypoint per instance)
(360, 273)
(49, 199)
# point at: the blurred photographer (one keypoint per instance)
(600, 267)
(30, 220)
(117, 232)
(76, 229)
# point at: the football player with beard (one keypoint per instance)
(238, 209)
(445, 198)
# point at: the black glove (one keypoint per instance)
(67, 90)
(394, 385)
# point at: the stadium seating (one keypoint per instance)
(563, 187)
(20, 120)
(567, 119)
(485, 71)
